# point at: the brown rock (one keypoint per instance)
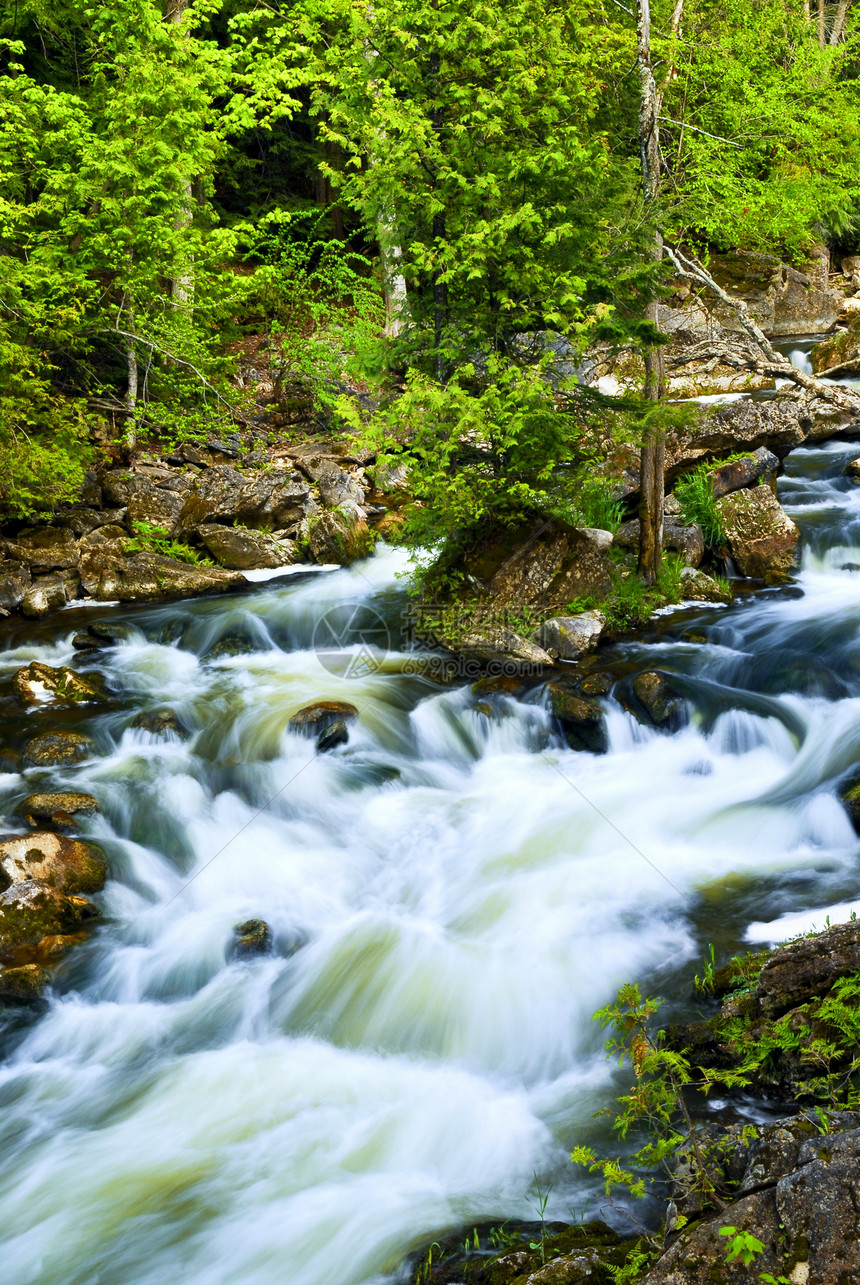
(762, 537)
(338, 536)
(747, 471)
(241, 549)
(803, 969)
(36, 684)
(656, 697)
(23, 984)
(44, 806)
(57, 749)
(32, 910)
(68, 865)
(14, 583)
(143, 577)
(581, 718)
(47, 548)
(314, 718)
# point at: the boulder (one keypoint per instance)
(275, 500)
(32, 910)
(747, 471)
(23, 984)
(44, 807)
(852, 469)
(581, 718)
(804, 969)
(38, 684)
(498, 643)
(44, 597)
(337, 733)
(155, 506)
(313, 719)
(839, 354)
(14, 583)
(763, 540)
(657, 699)
(252, 938)
(569, 637)
(702, 588)
(338, 536)
(109, 576)
(543, 562)
(241, 549)
(158, 722)
(57, 749)
(336, 485)
(213, 498)
(68, 865)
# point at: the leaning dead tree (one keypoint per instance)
(760, 354)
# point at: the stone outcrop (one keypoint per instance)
(784, 300)
(580, 716)
(491, 642)
(839, 354)
(658, 700)
(762, 539)
(339, 536)
(108, 576)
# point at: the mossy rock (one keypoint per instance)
(57, 749)
(31, 910)
(65, 864)
(44, 807)
(36, 684)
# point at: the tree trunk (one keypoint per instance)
(653, 454)
(130, 434)
(181, 286)
(839, 22)
(822, 25)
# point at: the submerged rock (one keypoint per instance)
(569, 637)
(36, 684)
(57, 749)
(158, 722)
(762, 538)
(69, 865)
(327, 721)
(252, 938)
(581, 718)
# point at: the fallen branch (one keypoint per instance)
(774, 363)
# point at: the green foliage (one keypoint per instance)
(149, 538)
(743, 1245)
(481, 448)
(324, 309)
(696, 496)
(705, 983)
(594, 505)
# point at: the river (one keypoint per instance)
(451, 894)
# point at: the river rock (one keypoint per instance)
(14, 583)
(240, 549)
(109, 576)
(47, 548)
(804, 969)
(57, 749)
(32, 910)
(660, 703)
(763, 540)
(338, 536)
(313, 719)
(45, 807)
(158, 722)
(581, 718)
(336, 485)
(252, 938)
(155, 506)
(68, 865)
(43, 597)
(747, 471)
(498, 644)
(839, 354)
(569, 637)
(702, 588)
(23, 984)
(852, 469)
(37, 684)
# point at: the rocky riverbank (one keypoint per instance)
(782, 1198)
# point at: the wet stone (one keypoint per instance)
(44, 806)
(335, 734)
(24, 984)
(252, 938)
(581, 718)
(31, 910)
(37, 684)
(57, 749)
(68, 865)
(658, 700)
(158, 722)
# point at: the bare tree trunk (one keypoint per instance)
(822, 25)
(130, 434)
(181, 286)
(839, 22)
(393, 280)
(653, 447)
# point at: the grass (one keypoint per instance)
(695, 494)
(149, 538)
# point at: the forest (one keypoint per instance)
(409, 200)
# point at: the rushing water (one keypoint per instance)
(451, 894)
